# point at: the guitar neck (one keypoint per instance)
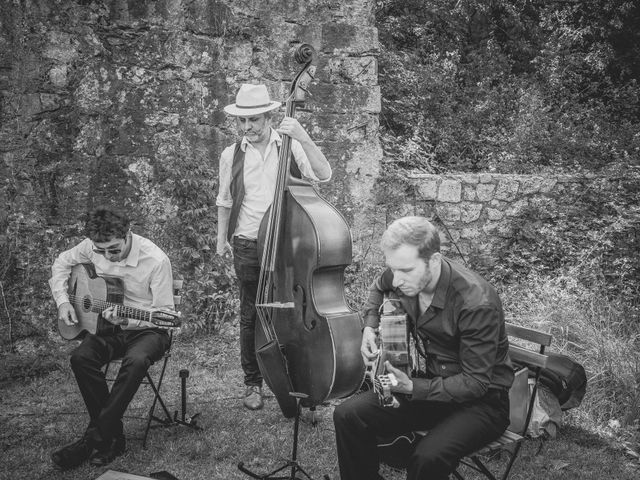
(125, 311)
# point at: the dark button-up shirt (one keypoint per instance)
(462, 332)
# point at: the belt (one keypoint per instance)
(244, 241)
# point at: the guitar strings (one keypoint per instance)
(122, 310)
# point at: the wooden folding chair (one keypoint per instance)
(156, 385)
(521, 399)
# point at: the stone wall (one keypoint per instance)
(120, 101)
(478, 213)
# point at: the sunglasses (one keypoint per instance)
(110, 251)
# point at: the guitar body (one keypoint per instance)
(86, 289)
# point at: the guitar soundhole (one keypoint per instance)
(86, 304)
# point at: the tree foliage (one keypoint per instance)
(510, 86)
(526, 87)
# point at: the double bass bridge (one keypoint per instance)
(281, 305)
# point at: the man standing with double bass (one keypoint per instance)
(248, 173)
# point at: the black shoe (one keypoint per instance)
(74, 454)
(104, 455)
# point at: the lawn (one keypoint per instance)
(40, 414)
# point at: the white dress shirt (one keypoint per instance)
(260, 177)
(146, 275)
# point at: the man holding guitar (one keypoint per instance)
(248, 173)
(137, 278)
(457, 323)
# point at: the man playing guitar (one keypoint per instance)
(457, 322)
(144, 271)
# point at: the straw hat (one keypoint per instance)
(251, 100)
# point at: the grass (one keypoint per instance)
(43, 412)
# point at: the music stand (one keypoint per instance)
(293, 462)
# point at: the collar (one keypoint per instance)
(275, 137)
(134, 254)
(440, 295)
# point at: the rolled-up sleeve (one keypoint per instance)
(223, 198)
(303, 163)
(61, 269)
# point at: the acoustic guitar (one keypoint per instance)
(90, 294)
(394, 343)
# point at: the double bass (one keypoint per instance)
(307, 337)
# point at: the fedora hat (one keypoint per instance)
(251, 100)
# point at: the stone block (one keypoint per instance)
(428, 189)
(517, 208)
(484, 191)
(504, 230)
(92, 94)
(548, 184)
(427, 210)
(348, 99)
(470, 233)
(349, 39)
(470, 179)
(530, 184)
(449, 212)
(61, 47)
(207, 17)
(469, 193)
(357, 70)
(339, 127)
(450, 191)
(470, 212)
(494, 214)
(490, 228)
(485, 178)
(58, 76)
(362, 170)
(507, 189)
(454, 236)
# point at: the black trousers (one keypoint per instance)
(455, 430)
(247, 266)
(139, 349)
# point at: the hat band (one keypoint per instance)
(254, 106)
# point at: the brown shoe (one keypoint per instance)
(253, 397)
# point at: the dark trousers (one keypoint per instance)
(455, 430)
(139, 349)
(247, 266)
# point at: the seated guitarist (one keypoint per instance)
(145, 271)
(462, 398)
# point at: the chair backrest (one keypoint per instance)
(526, 349)
(177, 286)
